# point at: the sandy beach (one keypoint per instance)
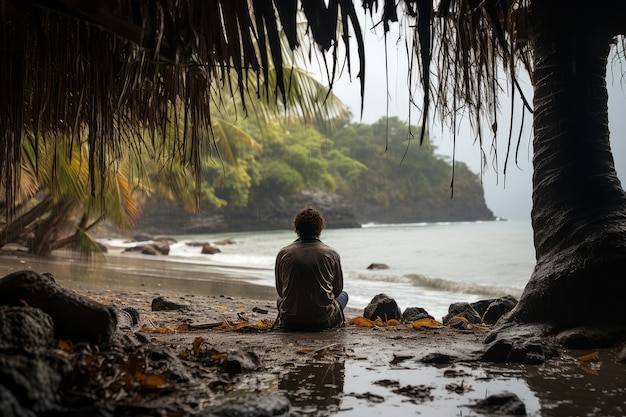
(352, 371)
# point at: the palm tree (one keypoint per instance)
(116, 65)
(55, 209)
(158, 162)
(120, 66)
(579, 205)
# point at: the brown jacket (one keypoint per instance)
(308, 278)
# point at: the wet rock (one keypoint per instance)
(166, 239)
(459, 323)
(163, 304)
(586, 337)
(10, 406)
(127, 318)
(30, 373)
(194, 244)
(154, 248)
(520, 343)
(482, 305)
(464, 310)
(225, 242)
(133, 313)
(622, 355)
(76, 317)
(162, 247)
(208, 249)
(142, 237)
(376, 266)
(252, 406)
(124, 342)
(496, 309)
(384, 307)
(503, 404)
(33, 381)
(412, 314)
(438, 358)
(25, 328)
(238, 362)
(486, 311)
(165, 362)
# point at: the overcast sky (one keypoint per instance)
(507, 196)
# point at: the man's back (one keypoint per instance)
(308, 279)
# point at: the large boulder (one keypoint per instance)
(31, 372)
(486, 311)
(384, 307)
(75, 317)
(25, 328)
(491, 310)
(412, 314)
(464, 310)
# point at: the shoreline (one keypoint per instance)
(367, 366)
(130, 271)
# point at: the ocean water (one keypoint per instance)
(431, 265)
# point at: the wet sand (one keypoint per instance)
(353, 371)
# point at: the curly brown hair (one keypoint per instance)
(309, 222)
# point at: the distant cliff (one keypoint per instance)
(161, 217)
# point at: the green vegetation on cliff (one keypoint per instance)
(378, 170)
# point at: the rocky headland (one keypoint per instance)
(161, 217)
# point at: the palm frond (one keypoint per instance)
(119, 67)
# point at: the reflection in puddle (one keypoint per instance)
(426, 390)
(561, 388)
(354, 388)
(314, 388)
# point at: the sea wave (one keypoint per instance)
(439, 284)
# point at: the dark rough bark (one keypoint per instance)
(579, 206)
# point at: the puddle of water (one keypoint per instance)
(354, 388)
(561, 388)
(430, 395)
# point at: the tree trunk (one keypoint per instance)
(579, 206)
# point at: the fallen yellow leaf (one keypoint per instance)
(166, 329)
(589, 357)
(361, 321)
(197, 342)
(150, 381)
(264, 324)
(64, 345)
(425, 323)
(364, 322)
(317, 353)
(221, 307)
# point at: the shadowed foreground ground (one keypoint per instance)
(358, 371)
(353, 371)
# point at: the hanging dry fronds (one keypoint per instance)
(105, 72)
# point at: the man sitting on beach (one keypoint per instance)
(309, 279)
